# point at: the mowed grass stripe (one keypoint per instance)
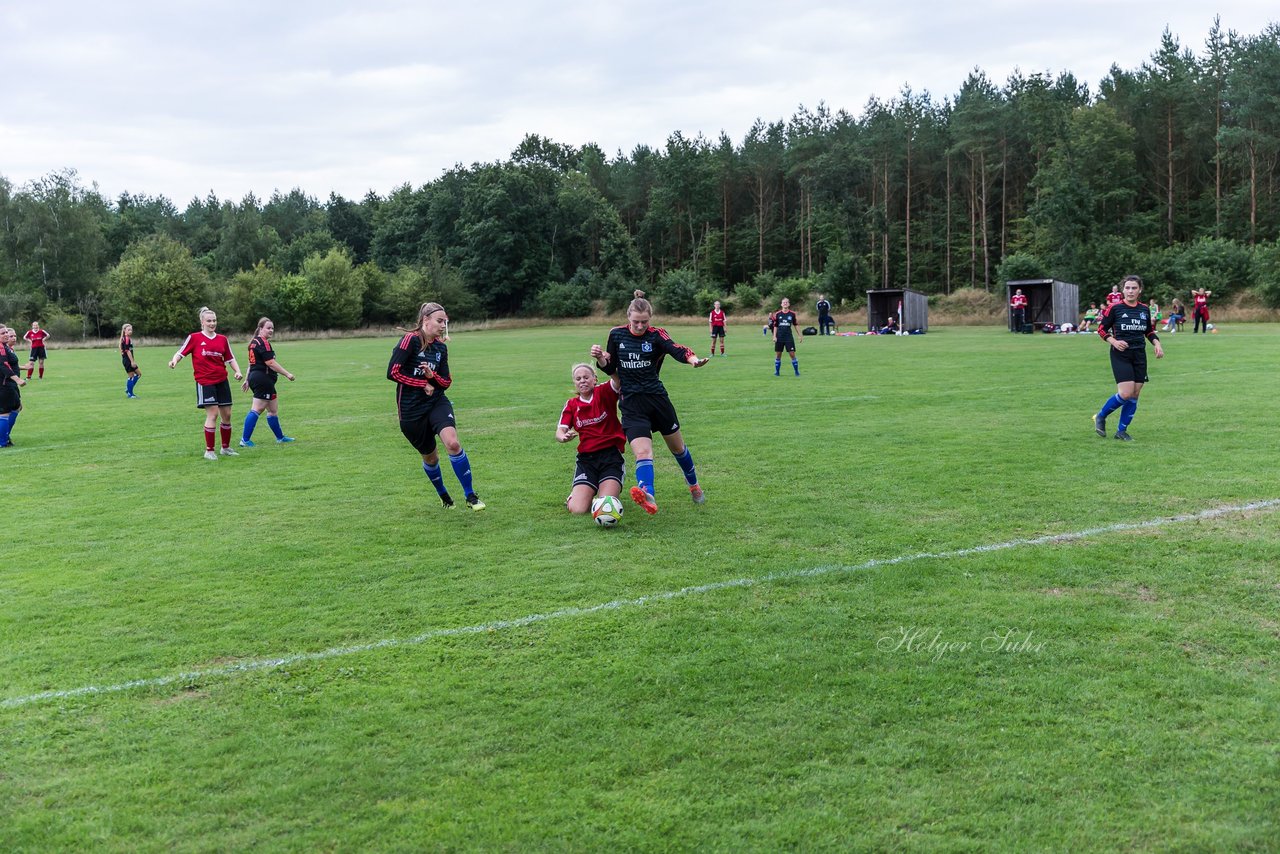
(642, 601)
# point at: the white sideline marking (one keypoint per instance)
(639, 602)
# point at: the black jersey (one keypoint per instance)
(1130, 324)
(636, 359)
(126, 346)
(408, 370)
(259, 353)
(782, 323)
(8, 362)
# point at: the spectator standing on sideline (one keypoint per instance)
(824, 316)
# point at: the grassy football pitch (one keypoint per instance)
(924, 606)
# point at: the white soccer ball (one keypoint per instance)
(606, 510)
(1210, 327)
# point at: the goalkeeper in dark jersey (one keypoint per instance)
(1126, 327)
(634, 353)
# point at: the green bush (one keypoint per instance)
(1266, 259)
(1021, 265)
(677, 293)
(798, 290)
(157, 287)
(843, 278)
(617, 291)
(707, 299)
(564, 299)
(746, 298)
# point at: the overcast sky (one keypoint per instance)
(179, 99)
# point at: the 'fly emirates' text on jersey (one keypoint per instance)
(1132, 324)
(636, 359)
(408, 370)
(783, 322)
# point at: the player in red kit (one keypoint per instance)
(1018, 309)
(716, 319)
(592, 417)
(36, 338)
(1114, 296)
(210, 354)
(1199, 312)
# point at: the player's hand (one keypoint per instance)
(1159, 351)
(567, 436)
(244, 386)
(698, 363)
(596, 351)
(291, 377)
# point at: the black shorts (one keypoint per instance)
(10, 397)
(421, 432)
(1129, 366)
(263, 385)
(213, 395)
(789, 345)
(128, 368)
(36, 353)
(646, 414)
(595, 467)
(717, 332)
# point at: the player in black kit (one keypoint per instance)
(419, 367)
(635, 352)
(783, 323)
(1127, 326)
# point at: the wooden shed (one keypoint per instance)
(884, 302)
(1048, 301)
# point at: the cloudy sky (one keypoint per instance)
(179, 98)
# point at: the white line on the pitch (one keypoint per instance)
(194, 676)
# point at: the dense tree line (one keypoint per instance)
(1170, 170)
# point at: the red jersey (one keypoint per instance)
(1201, 299)
(717, 317)
(1114, 297)
(36, 337)
(208, 357)
(1018, 301)
(596, 422)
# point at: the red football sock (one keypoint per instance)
(41, 370)
(208, 438)
(29, 372)
(224, 430)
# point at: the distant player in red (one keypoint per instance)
(1018, 309)
(592, 417)
(1199, 311)
(36, 338)
(210, 354)
(1115, 296)
(716, 319)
